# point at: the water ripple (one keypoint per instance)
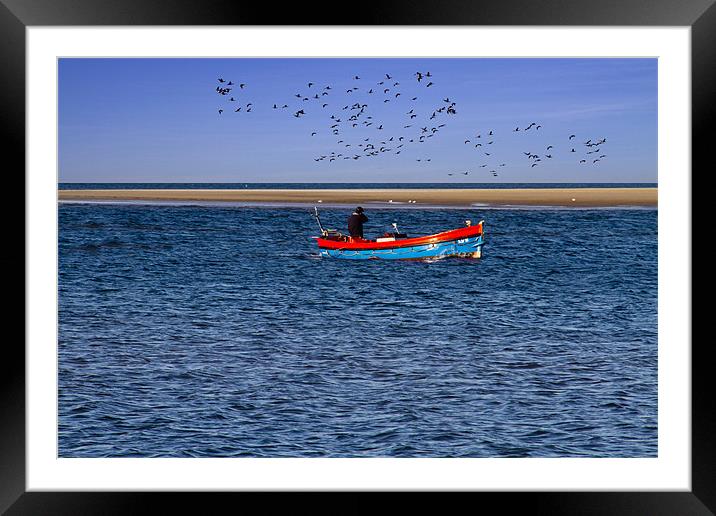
(204, 331)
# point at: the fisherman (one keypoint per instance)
(355, 222)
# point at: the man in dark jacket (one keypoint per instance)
(355, 222)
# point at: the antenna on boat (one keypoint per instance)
(395, 227)
(318, 219)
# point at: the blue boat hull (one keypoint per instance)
(465, 248)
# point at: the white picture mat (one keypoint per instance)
(670, 471)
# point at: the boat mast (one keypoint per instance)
(318, 219)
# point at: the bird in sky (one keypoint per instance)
(359, 115)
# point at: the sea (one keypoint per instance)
(216, 330)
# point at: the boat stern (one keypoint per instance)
(480, 240)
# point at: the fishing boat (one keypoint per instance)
(464, 242)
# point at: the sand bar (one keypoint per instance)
(445, 196)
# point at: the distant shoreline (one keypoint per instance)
(585, 196)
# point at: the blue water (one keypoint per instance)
(206, 331)
(311, 186)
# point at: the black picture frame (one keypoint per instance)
(16, 15)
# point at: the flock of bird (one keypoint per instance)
(533, 158)
(351, 119)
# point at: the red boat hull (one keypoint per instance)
(355, 243)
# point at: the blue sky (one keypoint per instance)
(157, 120)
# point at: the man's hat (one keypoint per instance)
(359, 210)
